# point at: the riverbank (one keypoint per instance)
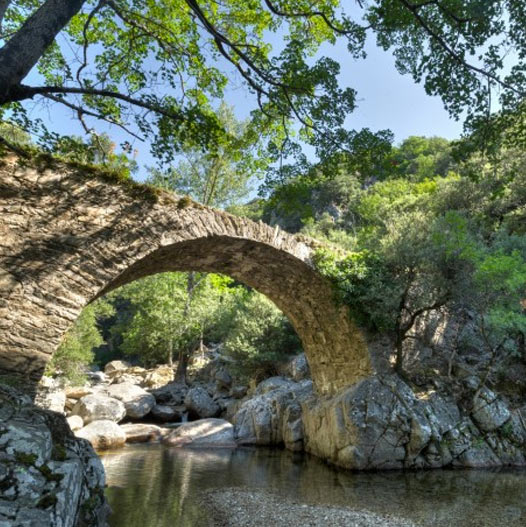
(241, 508)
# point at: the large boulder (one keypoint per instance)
(75, 422)
(202, 433)
(141, 432)
(137, 401)
(166, 413)
(103, 434)
(97, 407)
(489, 412)
(50, 395)
(158, 377)
(223, 379)
(47, 476)
(116, 365)
(172, 394)
(200, 404)
(274, 416)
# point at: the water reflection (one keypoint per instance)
(156, 486)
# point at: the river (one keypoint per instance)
(157, 486)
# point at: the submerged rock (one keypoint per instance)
(202, 433)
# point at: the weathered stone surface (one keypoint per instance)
(200, 404)
(75, 422)
(238, 392)
(103, 434)
(166, 413)
(298, 368)
(489, 412)
(138, 402)
(77, 392)
(115, 366)
(202, 433)
(43, 464)
(274, 415)
(95, 407)
(172, 394)
(141, 433)
(158, 377)
(73, 236)
(223, 379)
(50, 395)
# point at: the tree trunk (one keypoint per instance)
(171, 352)
(4, 4)
(182, 366)
(24, 49)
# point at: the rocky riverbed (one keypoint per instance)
(238, 508)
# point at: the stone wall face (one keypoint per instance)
(66, 238)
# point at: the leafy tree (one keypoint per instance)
(258, 337)
(167, 320)
(156, 68)
(76, 349)
(221, 178)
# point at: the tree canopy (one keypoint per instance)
(157, 69)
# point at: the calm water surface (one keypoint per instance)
(157, 486)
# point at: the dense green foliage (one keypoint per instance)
(76, 350)
(432, 234)
(258, 338)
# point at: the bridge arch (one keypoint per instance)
(67, 237)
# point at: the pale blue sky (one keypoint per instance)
(386, 99)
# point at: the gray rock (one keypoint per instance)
(266, 419)
(238, 392)
(96, 407)
(223, 379)
(75, 422)
(273, 383)
(103, 434)
(33, 440)
(298, 367)
(116, 365)
(166, 413)
(52, 400)
(171, 394)
(489, 412)
(138, 402)
(202, 433)
(200, 404)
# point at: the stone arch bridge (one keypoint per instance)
(67, 236)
